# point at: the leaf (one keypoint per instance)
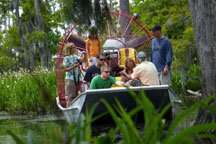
(15, 137)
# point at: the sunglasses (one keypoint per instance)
(107, 71)
(102, 59)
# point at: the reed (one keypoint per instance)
(23, 92)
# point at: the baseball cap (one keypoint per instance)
(141, 55)
(156, 27)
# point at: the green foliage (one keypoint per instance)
(11, 41)
(193, 81)
(35, 36)
(22, 92)
(12, 38)
(79, 12)
(174, 16)
(176, 82)
(83, 12)
(6, 64)
(52, 41)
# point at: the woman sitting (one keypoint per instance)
(128, 70)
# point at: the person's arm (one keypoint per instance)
(87, 48)
(151, 57)
(67, 65)
(136, 72)
(125, 74)
(71, 67)
(100, 49)
(120, 83)
(168, 58)
(169, 54)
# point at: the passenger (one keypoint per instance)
(85, 63)
(94, 70)
(83, 67)
(104, 80)
(145, 73)
(128, 70)
(93, 46)
(71, 67)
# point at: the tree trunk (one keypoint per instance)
(124, 22)
(204, 23)
(40, 27)
(22, 34)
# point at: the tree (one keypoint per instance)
(86, 13)
(124, 7)
(34, 41)
(204, 23)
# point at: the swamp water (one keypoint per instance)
(53, 128)
(41, 129)
(48, 129)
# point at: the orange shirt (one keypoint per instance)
(93, 47)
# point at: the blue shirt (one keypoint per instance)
(91, 72)
(161, 53)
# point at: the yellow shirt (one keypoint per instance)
(93, 47)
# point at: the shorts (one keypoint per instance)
(70, 89)
(135, 82)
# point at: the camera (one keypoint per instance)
(79, 61)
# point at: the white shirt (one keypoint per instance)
(146, 72)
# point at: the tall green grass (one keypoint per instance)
(23, 92)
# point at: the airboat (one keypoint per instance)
(118, 47)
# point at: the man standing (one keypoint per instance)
(161, 55)
(93, 46)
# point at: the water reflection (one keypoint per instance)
(42, 129)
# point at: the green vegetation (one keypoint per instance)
(22, 92)
(126, 131)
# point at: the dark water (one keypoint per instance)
(41, 129)
(47, 129)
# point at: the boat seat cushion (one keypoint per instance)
(125, 53)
